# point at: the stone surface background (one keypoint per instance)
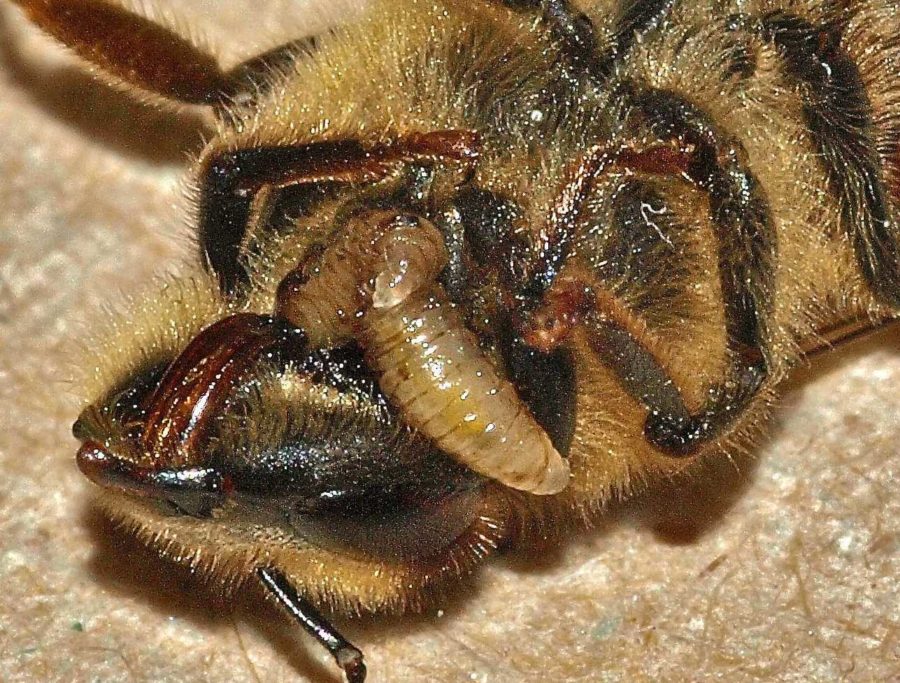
(787, 570)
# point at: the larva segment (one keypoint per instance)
(433, 371)
(429, 365)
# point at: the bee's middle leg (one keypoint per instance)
(624, 343)
(690, 147)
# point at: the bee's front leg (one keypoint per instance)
(232, 181)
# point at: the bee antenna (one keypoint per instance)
(347, 656)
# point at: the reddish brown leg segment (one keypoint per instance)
(555, 239)
(352, 162)
(562, 310)
(233, 179)
(846, 332)
(131, 48)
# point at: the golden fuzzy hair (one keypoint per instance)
(418, 66)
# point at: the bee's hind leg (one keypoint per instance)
(742, 221)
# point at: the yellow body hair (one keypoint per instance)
(418, 66)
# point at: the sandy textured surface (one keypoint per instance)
(785, 571)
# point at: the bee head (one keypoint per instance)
(246, 427)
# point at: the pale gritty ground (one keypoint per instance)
(785, 572)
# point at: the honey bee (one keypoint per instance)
(469, 270)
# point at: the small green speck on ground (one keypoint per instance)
(78, 626)
(606, 627)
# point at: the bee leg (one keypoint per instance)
(846, 332)
(131, 48)
(618, 336)
(693, 148)
(547, 384)
(576, 32)
(454, 277)
(156, 58)
(232, 180)
(839, 117)
(348, 657)
(557, 236)
(410, 189)
(742, 221)
(624, 343)
(478, 228)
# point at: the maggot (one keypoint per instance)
(379, 284)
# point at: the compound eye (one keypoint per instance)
(388, 527)
(359, 484)
(320, 452)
